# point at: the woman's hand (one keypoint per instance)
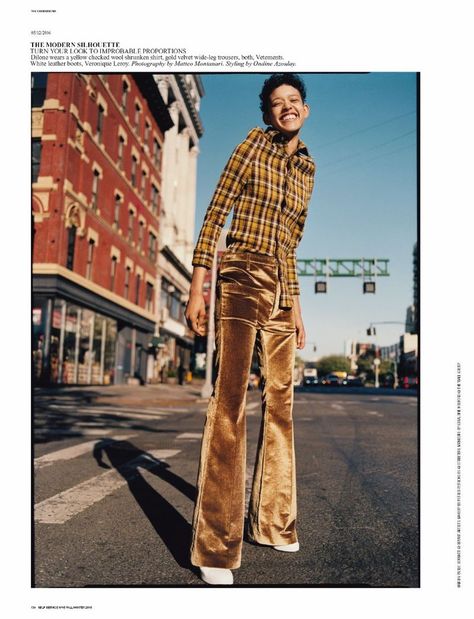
(299, 326)
(195, 312)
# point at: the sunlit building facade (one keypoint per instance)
(97, 153)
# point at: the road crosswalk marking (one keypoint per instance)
(251, 408)
(71, 432)
(189, 435)
(61, 507)
(68, 453)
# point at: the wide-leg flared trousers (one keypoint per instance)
(247, 313)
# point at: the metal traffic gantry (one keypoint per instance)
(366, 268)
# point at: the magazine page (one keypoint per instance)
(244, 354)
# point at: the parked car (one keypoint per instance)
(355, 381)
(388, 381)
(408, 382)
(331, 380)
(309, 381)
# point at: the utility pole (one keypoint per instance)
(207, 388)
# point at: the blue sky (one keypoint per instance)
(361, 133)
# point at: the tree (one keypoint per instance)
(333, 363)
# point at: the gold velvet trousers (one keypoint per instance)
(247, 314)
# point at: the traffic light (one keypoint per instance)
(371, 331)
(320, 287)
(369, 287)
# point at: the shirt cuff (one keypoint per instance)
(202, 260)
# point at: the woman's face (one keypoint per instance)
(286, 110)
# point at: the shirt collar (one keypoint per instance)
(275, 137)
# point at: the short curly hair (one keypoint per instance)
(276, 80)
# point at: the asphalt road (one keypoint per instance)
(115, 475)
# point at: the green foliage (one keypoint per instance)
(333, 363)
(364, 364)
(386, 367)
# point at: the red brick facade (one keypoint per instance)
(92, 127)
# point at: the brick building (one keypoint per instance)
(96, 183)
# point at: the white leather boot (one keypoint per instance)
(217, 575)
(288, 547)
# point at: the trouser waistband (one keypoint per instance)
(250, 256)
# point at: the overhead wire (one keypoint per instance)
(348, 135)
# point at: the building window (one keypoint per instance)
(113, 273)
(100, 122)
(170, 297)
(156, 152)
(138, 281)
(71, 245)
(124, 96)
(95, 190)
(143, 187)
(152, 247)
(121, 147)
(154, 199)
(38, 89)
(79, 136)
(149, 297)
(117, 205)
(90, 258)
(35, 158)
(138, 111)
(141, 233)
(127, 282)
(147, 131)
(130, 225)
(134, 171)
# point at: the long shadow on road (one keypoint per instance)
(173, 529)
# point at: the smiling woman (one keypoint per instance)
(268, 182)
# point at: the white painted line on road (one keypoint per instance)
(251, 409)
(152, 411)
(120, 413)
(189, 435)
(62, 406)
(125, 409)
(68, 453)
(337, 407)
(120, 410)
(62, 507)
(375, 413)
(41, 432)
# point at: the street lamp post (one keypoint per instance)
(207, 388)
(377, 370)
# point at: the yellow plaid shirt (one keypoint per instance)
(270, 192)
